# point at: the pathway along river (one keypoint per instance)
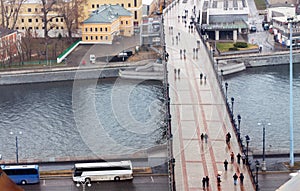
(81, 119)
(262, 95)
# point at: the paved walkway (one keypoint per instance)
(197, 107)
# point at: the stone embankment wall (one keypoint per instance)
(254, 60)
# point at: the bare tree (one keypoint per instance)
(72, 11)
(9, 12)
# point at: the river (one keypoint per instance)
(81, 119)
(261, 95)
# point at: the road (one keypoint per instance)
(140, 183)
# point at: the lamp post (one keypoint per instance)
(232, 102)
(263, 165)
(257, 167)
(290, 21)
(17, 146)
(239, 118)
(84, 183)
(247, 151)
(221, 77)
(226, 87)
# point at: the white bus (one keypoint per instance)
(91, 172)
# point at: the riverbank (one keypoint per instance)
(40, 75)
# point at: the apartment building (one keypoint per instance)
(9, 44)
(107, 22)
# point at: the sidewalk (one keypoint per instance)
(197, 107)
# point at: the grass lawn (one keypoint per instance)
(260, 4)
(224, 46)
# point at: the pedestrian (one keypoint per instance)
(207, 181)
(203, 182)
(178, 71)
(238, 157)
(235, 177)
(242, 178)
(201, 76)
(219, 180)
(172, 40)
(202, 137)
(175, 72)
(225, 164)
(204, 78)
(176, 40)
(232, 157)
(228, 137)
(180, 51)
(244, 158)
(178, 35)
(205, 137)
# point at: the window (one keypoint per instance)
(135, 14)
(97, 5)
(93, 6)
(121, 22)
(96, 29)
(91, 37)
(129, 4)
(106, 37)
(122, 4)
(135, 3)
(56, 20)
(29, 10)
(37, 20)
(105, 29)
(61, 27)
(101, 37)
(61, 19)
(57, 27)
(86, 38)
(91, 29)
(51, 20)
(17, 28)
(29, 20)
(35, 9)
(37, 28)
(42, 9)
(22, 20)
(126, 22)
(96, 37)
(101, 29)
(43, 27)
(30, 28)
(86, 29)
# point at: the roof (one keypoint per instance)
(102, 164)
(4, 32)
(107, 14)
(5, 167)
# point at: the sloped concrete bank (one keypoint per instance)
(256, 60)
(57, 74)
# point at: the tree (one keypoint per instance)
(72, 11)
(9, 12)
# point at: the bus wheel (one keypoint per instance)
(117, 178)
(87, 180)
(23, 182)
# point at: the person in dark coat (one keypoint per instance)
(225, 164)
(235, 177)
(242, 178)
(203, 182)
(238, 156)
(207, 181)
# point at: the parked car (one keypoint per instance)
(253, 29)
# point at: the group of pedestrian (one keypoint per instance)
(195, 53)
(235, 178)
(177, 72)
(171, 30)
(202, 76)
(205, 182)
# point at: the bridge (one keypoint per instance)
(198, 105)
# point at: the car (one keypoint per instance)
(253, 29)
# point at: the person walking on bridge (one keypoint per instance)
(235, 177)
(225, 164)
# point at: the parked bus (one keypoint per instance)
(101, 171)
(22, 174)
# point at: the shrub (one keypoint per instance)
(233, 49)
(240, 45)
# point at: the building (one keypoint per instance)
(106, 23)
(151, 31)
(278, 17)
(9, 44)
(225, 19)
(30, 16)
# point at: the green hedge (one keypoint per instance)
(240, 45)
(233, 49)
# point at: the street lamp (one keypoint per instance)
(263, 165)
(239, 118)
(257, 167)
(247, 151)
(17, 147)
(221, 77)
(291, 21)
(84, 183)
(226, 87)
(232, 102)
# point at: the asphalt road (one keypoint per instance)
(140, 183)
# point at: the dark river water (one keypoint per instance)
(80, 119)
(262, 96)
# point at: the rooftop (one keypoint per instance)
(4, 31)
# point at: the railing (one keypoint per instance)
(229, 110)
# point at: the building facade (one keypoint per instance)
(106, 23)
(9, 44)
